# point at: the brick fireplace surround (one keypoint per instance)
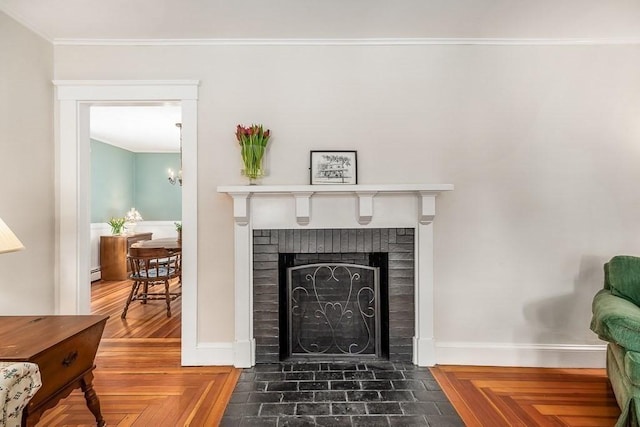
(263, 212)
(326, 245)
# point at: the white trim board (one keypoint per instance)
(461, 353)
(523, 355)
(214, 353)
(72, 159)
(352, 42)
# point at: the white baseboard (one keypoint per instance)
(208, 354)
(244, 353)
(424, 352)
(239, 354)
(447, 353)
(529, 355)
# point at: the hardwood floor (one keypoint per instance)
(140, 381)
(138, 376)
(495, 397)
(143, 320)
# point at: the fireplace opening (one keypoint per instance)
(333, 305)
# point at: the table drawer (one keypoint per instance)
(66, 361)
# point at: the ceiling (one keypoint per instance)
(141, 129)
(63, 21)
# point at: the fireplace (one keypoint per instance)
(324, 224)
(382, 259)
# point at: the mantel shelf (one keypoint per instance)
(304, 193)
(378, 188)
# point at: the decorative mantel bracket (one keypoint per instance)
(365, 206)
(240, 207)
(303, 206)
(427, 209)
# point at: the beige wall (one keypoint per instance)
(26, 159)
(541, 142)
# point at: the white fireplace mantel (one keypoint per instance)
(364, 194)
(258, 207)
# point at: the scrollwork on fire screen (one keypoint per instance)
(333, 311)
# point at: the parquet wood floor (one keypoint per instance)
(138, 376)
(143, 320)
(500, 396)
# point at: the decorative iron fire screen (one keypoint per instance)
(333, 310)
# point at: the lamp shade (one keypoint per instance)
(8, 241)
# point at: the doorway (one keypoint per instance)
(72, 182)
(136, 178)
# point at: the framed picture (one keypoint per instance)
(334, 167)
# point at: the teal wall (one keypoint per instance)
(121, 179)
(156, 199)
(112, 181)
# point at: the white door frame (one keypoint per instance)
(72, 159)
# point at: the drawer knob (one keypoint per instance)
(71, 357)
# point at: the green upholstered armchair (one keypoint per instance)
(616, 319)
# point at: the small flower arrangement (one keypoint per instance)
(253, 142)
(179, 230)
(117, 225)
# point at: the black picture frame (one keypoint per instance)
(333, 167)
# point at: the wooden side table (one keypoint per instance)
(64, 348)
(113, 254)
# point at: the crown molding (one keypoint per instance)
(351, 42)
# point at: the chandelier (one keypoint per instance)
(172, 176)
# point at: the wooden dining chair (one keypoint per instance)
(152, 267)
